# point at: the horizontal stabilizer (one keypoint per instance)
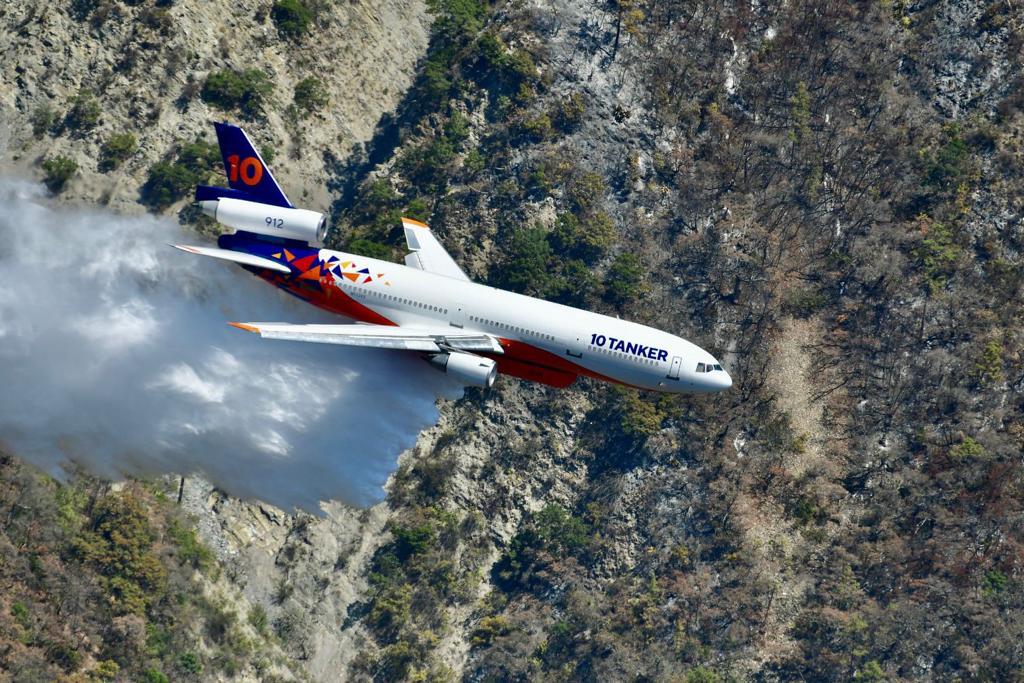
(235, 256)
(378, 336)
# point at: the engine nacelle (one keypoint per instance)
(469, 369)
(266, 219)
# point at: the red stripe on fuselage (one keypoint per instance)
(323, 293)
(522, 354)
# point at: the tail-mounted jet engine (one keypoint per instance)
(266, 219)
(469, 369)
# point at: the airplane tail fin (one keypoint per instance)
(248, 176)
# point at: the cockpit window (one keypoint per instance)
(700, 367)
(717, 366)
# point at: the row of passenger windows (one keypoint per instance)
(437, 309)
(513, 328)
(640, 360)
(708, 367)
(399, 300)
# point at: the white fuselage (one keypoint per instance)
(597, 345)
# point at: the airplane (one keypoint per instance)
(429, 306)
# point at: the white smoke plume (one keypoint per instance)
(115, 355)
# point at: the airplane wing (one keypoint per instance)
(235, 256)
(378, 336)
(427, 253)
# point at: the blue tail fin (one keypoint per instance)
(247, 174)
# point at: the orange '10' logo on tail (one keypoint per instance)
(250, 170)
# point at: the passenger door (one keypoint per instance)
(458, 316)
(673, 372)
(574, 349)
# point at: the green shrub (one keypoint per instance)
(473, 162)
(154, 676)
(536, 128)
(539, 182)
(702, 674)
(245, 91)
(803, 303)
(457, 128)
(515, 67)
(427, 166)
(71, 501)
(527, 269)
(21, 615)
(989, 367)
(189, 663)
(391, 610)
(396, 660)
(59, 170)
(418, 209)
(268, 154)
(637, 417)
(492, 49)
(585, 240)
(158, 641)
(191, 551)
(575, 284)
(800, 112)
(550, 534)
(118, 543)
(411, 541)
(952, 163)
(569, 112)
(166, 184)
(624, 281)
(43, 117)
(937, 253)
(84, 113)
(106, 670)
(490, 628)
(805, 510)
(557, 530)
(872, 671)
(457, 17)
(311, 95)
(520, 64)
(117, 149)
(170, 181)
(994, 582)
(201, 158)
(258, 619)
(585, 191)
(292, 18)
(379, 194)
(436, 74)
(968, 449)
(369, 248)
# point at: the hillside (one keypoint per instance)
(826, 195)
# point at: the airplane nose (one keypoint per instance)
(728, 381)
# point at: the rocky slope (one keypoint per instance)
(145, 62)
